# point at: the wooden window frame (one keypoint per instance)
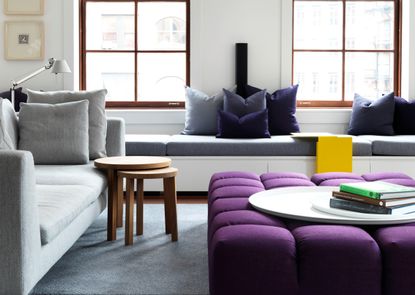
(136, 103)
(397, 54)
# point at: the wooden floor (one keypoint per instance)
(182, 198)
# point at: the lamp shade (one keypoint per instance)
(60, 66)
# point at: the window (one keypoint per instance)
(137, 49)
(351, 46)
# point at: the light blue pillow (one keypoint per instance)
(201, 112)
(239, 106)
(55, 133)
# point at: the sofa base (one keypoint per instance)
(194, 172)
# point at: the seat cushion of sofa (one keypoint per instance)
(398, 145)
(59, 205)
(146, 144)
(72, 175)
(63, 192)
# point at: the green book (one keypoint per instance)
(378, 190)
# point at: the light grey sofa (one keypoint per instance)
(44, 209)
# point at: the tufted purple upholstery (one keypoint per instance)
(393, 177)
(254, 253)
(335, 178)
(283, 179)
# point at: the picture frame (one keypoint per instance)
(24, 7)
(23, 40)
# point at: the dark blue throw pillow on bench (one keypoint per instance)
(372, 117)
(282, 105)
(236, 104)
(404, 121)
(253, 125)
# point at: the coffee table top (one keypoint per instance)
(132, 163)
(312, 204)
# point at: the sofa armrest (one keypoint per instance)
(115, 137)
(20, 244)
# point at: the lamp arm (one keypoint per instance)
(34, 74)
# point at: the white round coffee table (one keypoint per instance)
(312, 204)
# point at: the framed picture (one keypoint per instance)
(23, 7)
(23, 40)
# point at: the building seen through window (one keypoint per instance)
(137, 50)
(351, 48)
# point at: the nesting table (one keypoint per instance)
(137, 168)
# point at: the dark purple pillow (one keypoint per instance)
(372, 117)
(404, 122)
(19, 97)
(253, 125)
(240, 106)
(282, 105)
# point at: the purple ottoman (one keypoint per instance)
(393, 177)
(335, 178)
(254, 253)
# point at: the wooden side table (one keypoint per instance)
(170, 200)
(115, 203)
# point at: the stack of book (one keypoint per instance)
(377, 197)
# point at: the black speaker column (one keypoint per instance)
(241, 68)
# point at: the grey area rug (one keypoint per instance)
(153, 265)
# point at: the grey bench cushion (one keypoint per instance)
(146, 144)
(284, 145)
(195, 145)
(63, 192)
(398, 145)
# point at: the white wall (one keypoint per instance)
(216, 25)
(54, 44)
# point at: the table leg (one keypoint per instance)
(129, 212)
(140, 204)
(120, 201)
(112, 205)
(170, 201)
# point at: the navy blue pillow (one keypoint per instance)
(373, 117)
(253, 125)
(404, 122)
(282, 105)
(236, 104)
(19, 97)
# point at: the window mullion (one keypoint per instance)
(344, 53)
(135, 50)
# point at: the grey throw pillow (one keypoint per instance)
(55, 133)
(373, 117)
(97, 119)
(239, 106)
(201, 112)
(9, 130)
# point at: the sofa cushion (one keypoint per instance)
(252, 125)
(372, 117)
(240, 106)
(96, 110)
(63, 192)
(201, 112)
(146, 144)
(398, 145)
(58, 207)
(9, 130)
(55, 134)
